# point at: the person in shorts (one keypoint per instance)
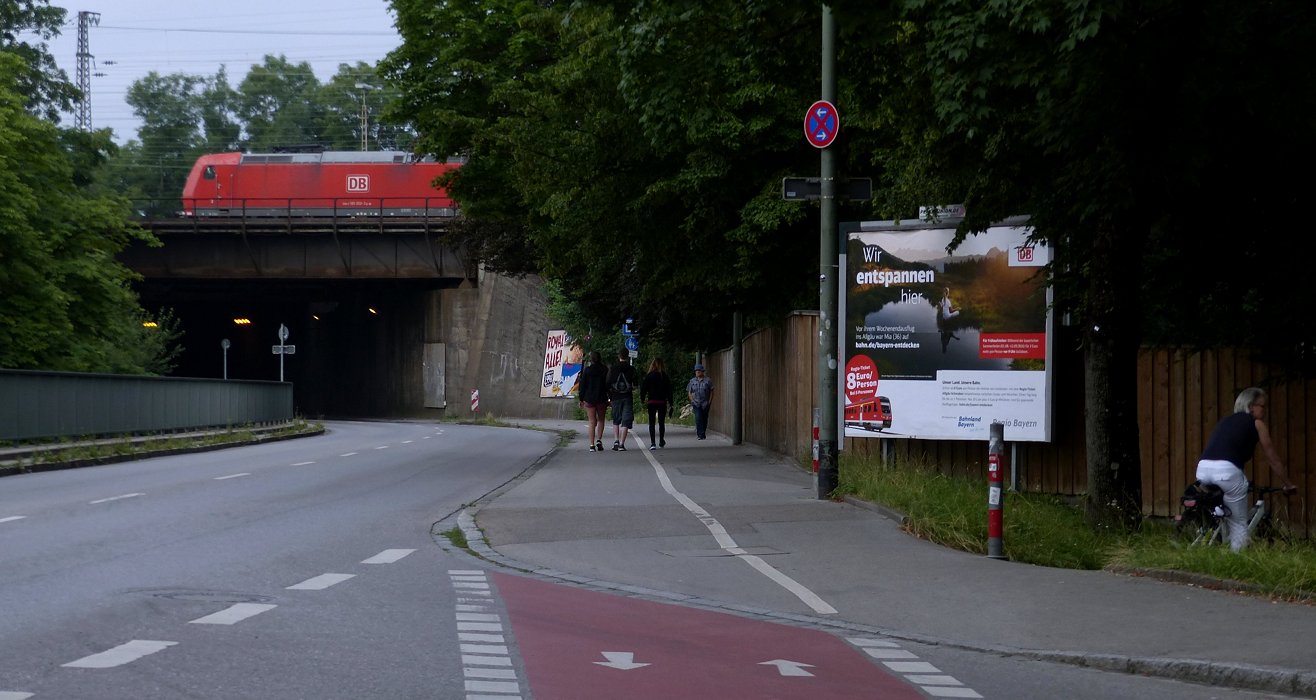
(592, 388)
(621, 387)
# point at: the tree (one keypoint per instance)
(277, 105)
(69, 304)
(25, 27)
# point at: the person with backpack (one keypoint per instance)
(621, 384)
(592, 388)
(656, 395)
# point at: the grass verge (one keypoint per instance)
(1050, 531)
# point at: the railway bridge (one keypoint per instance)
(384, 318)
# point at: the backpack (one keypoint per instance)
(621, 384)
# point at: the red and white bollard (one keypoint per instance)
(475, 400)
(815, 441)
(995, 494)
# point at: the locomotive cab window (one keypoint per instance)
(209, 173)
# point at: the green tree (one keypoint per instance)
(278, 107)
(69, 304)
(25, 28)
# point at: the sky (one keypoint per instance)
(135, 37)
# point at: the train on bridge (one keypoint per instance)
(328, 184)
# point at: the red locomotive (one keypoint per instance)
(326, 184)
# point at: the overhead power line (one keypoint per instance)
(248, 31)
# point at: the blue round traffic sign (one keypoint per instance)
(632, 343)
(821, 123)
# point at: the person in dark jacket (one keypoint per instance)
(656, 394)
(592, 388)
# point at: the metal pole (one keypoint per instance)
(828, 472)
(995, 497)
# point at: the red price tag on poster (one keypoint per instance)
(860, 379)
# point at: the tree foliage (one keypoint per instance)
(69, 304)
(631, 152)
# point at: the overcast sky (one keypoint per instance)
(135, 37)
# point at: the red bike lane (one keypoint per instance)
(587, 645)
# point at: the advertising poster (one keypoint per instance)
(562, 363)
(941, 345)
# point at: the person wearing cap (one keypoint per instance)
(700, 391)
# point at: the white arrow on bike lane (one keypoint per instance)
(621, 660)
(788, 668)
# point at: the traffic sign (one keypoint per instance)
(632, 343)
(283, 332)
(284, 349)
(821, 123)
(794, 189)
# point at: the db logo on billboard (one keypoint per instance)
(1025, 253)
(358, 183)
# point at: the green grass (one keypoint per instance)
(457, 538)
(1050, 531)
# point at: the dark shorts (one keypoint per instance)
(594, 405)
(623, 412)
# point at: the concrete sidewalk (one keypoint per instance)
(700, 522)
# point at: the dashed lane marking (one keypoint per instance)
(347, 454)
(486, 661)
(232, 476)
(302, 464)
(120, 655)
(233, 614)
(382, 447)
(319, 583)
(14, 695)
(11, 519)
(927, 677)
(388, 556)
(115, 498)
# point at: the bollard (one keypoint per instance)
(475, 400)
(816, 411)
(995, 500)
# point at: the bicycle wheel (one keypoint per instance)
(1271, 531)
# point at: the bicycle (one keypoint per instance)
(1204, 519)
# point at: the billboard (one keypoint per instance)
(939, 345)
(562, 363)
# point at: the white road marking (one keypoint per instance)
(120, 655)
(427, 437)
(789, 668)
(477, 637)
(890, 654)
(492, 687)
(388, 556)
(407, 442)
(944, 692)
(233, 613)
(14, 695)
(620, 660)
(911, 667)
(382, 447)
(232, 476)
(726, 542)
(11, 519)
(480, 626)
(483, 649)
(932, 680)
(477, 617)
(116, 498)
(469, 584)
(319, 583)
(347, 454)
(301, 464)
(492, 697)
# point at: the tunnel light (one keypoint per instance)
(150, 324)
(242, 321)
(372, 310)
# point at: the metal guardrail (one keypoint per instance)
(37, 405)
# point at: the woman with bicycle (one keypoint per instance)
(1232, 443)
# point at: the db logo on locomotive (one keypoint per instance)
(358, 183)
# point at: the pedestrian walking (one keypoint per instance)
(700, 391)
(592, 388)
(656, 395)
(621, 385)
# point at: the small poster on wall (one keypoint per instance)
(562, 363)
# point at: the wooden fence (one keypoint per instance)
(1181, 395)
